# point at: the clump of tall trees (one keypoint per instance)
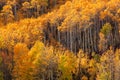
(77, 25)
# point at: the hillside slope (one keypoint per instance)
(92, 26)
(78, 41)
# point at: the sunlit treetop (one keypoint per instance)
(80, 12)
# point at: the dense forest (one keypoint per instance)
(59, 39)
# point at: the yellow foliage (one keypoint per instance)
(84, 78)
(23, 68)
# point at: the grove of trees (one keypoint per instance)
(59, 39)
